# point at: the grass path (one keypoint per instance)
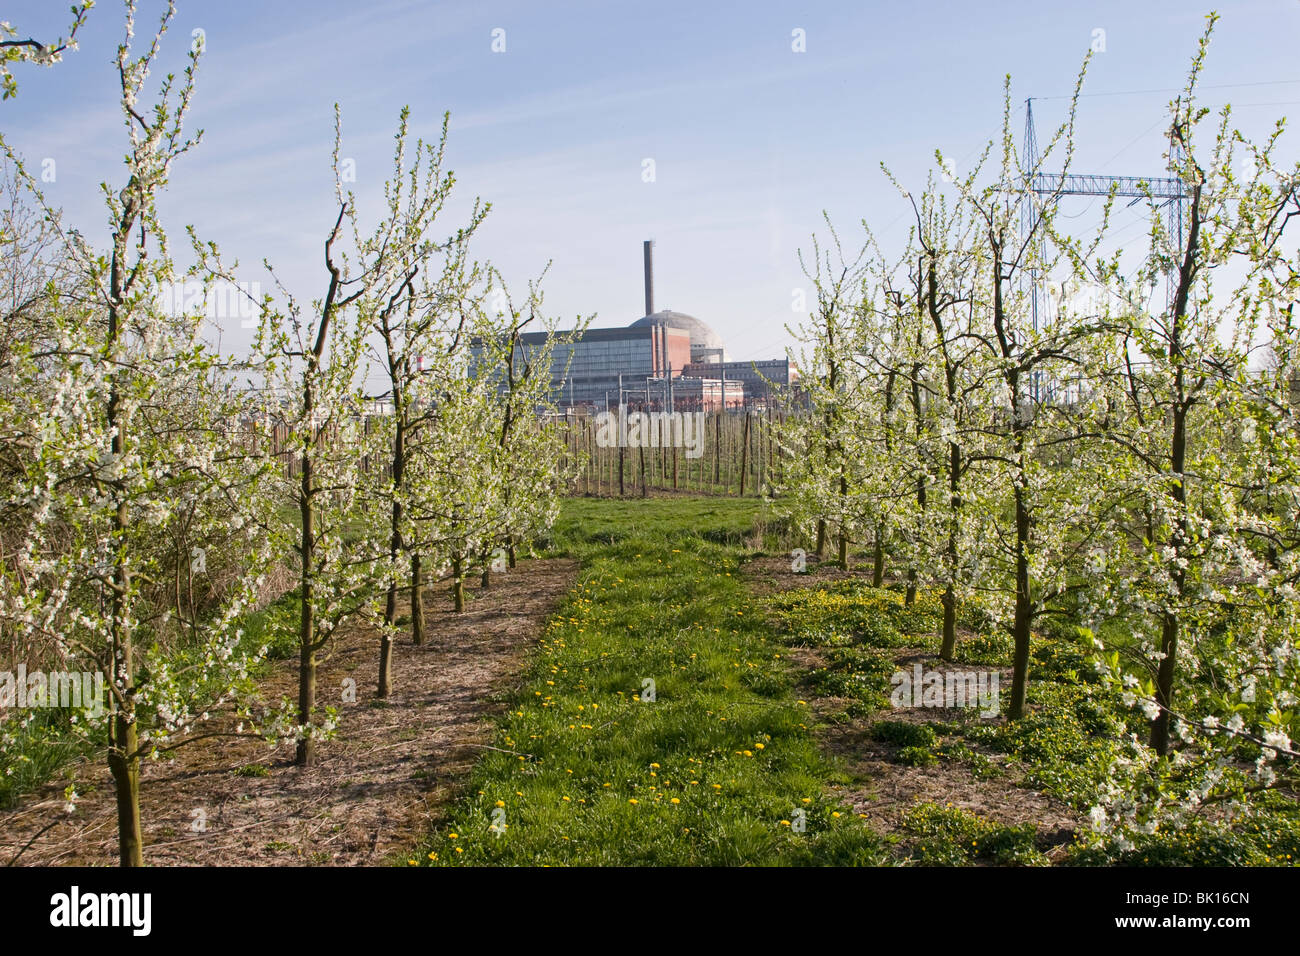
(657, 724)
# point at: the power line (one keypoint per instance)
(1170, 89)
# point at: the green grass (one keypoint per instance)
(720, 768)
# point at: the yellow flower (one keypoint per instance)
(834, 813)
(433, 856)
(453, 836)
(632, 800)
(675, 800)
(759, 746)
(785, 823)
(654, 766)
(566, 799)
(411, 862)
(501, 803)
(459, 850)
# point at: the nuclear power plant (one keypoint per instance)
(664, 360)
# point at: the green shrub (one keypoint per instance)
(902, 734)
(950, 836)
(1270, 839)
(991, 648)
(276, 626)
(916, 757)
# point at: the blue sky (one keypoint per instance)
(751, 140)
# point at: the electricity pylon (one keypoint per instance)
(1168, 191)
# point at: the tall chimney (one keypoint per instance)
(649, 277)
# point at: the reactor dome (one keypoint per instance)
(706, 344)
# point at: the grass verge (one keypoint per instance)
(657, 725)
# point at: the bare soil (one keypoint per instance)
(375, 789)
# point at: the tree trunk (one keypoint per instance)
(394, 548)
(878, 559)
(458, 581)
(744, 456)
(1171, 626)
(949, 646)
(417, 601)
(123, 760)
(306, 753)
(390, 617)
(386, 660)
(1023, 614)
(717, 449)
(307, 624)
(125, 767)
(643, 486)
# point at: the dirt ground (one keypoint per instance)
(883, 791)
(376, 787)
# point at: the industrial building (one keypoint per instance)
(664, 360)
